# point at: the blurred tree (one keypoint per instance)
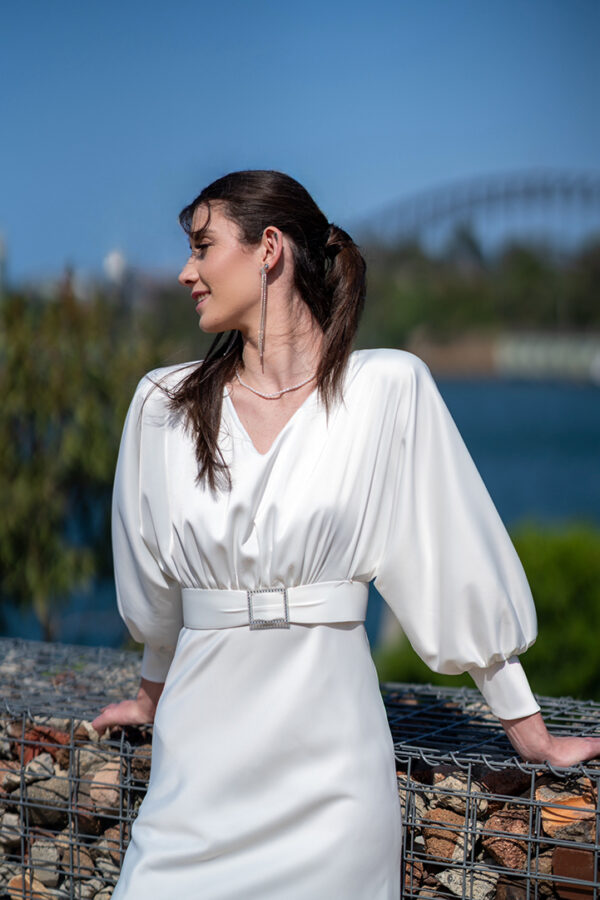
(525, 286)
(67, 373)
(582, 287)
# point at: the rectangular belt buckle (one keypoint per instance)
(280, 622)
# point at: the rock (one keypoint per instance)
(438, 773)
(572, 862)
(475, 885)
(41, 767)
(85, 732)
(8, 871)
(431, 890)
(105, 787)
(58, 724)
(87, 818)
(87, 890)
(44, 858)
(509, 849)
(109, 871)
(510, 889)
(37, 739)
(105, 894)
(442, 830)
(506, 782)
(76, 858)
(568, 811)
(502, 785)
(4, 741)
(85, 813)
(109, 846)
(543, 863)
(49, 802)
(37, 769)
(9, 769)
(88, 760)
(547, 788)
(413, 875)
(10, 830)
(411, 793)
(453, 792)
(140, 763)
(24, 887)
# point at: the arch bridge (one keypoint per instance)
(562, 205)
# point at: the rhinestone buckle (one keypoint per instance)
(280, 622)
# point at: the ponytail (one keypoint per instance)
(345, 283)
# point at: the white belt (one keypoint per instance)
(306, 604)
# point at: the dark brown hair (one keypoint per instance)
(329, 274)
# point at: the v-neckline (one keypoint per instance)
(242, 429)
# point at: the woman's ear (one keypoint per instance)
(271, 246)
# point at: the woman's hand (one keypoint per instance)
(531, 739)
(131, 712)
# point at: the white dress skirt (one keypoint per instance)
(273, 774)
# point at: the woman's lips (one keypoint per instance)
(199, 298)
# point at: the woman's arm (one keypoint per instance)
(506, 690)
(531, 739)
(131, 712)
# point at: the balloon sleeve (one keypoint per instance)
(448, 568)
(149, 601)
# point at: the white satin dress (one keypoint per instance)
(273, 774)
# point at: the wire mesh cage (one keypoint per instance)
(477, 822)
(67, 799)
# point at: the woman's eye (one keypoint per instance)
(200, 249)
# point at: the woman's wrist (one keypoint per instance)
(149, 694)
(529, 736)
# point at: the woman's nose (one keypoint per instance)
(188, 274)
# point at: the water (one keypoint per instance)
(536, 445)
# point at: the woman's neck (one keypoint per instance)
(291, 354)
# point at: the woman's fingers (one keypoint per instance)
(127, 712)
(568, 751)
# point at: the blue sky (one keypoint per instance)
(116, 114)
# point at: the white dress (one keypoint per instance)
(273, 774)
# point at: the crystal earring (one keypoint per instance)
(263, 312)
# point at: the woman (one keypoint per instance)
(256, 495)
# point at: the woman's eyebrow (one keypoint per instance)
(197, 236)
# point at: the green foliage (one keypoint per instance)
(563, 569)
(67, 373)
(522, 287)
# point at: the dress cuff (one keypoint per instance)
(505, 688)
(155, 663)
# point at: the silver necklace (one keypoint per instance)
(277, 394)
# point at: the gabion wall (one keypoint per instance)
(477, 822)
(66, 801)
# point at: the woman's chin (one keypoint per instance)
(211, 325)
(208, 327)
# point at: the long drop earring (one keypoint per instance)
(263, 313)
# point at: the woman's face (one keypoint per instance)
(223, 274)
